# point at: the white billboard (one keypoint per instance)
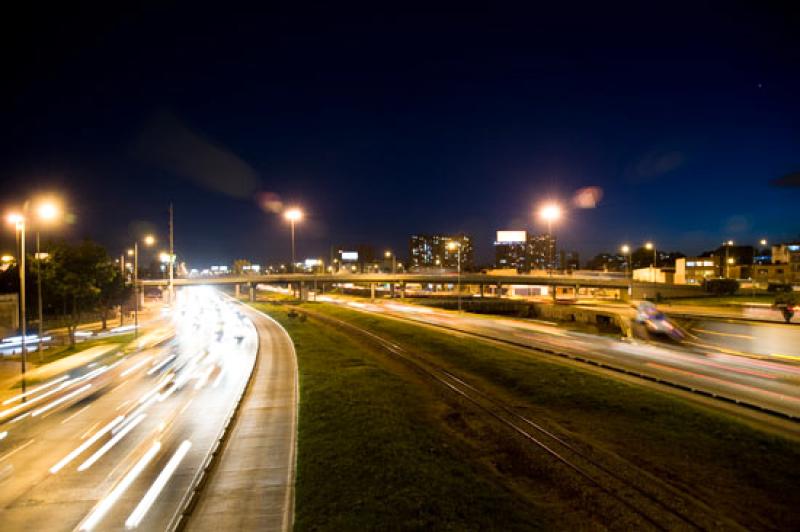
(350, 256)
(509, 237)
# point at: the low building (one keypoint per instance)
(654, 275)
(695, 270)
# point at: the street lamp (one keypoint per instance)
(47, 211)
(550, 212)
(727, 245)
(148, 240)
(389, 254)
(626, 250)
(18, 220)
(293, 215)
(454, 245)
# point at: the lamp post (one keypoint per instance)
(626, 250)
(650, 246)
(148, 240)
(47, 211)
(19, 225)
(389, 254)
(550, 212)
(293, 215)
(454, 245)
(727, 245)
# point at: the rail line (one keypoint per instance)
(646, 503)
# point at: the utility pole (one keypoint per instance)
(171, 257)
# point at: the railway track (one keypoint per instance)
(655, 501)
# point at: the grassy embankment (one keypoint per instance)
(377, 445)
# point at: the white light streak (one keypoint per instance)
(105, 505)
(60, 400)
(135, 367)
(34, 390)
(110, 443)
(149, 498)
(85, 445)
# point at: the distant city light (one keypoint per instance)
(149, 240)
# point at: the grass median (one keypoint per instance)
(372, 453)
(744, 473)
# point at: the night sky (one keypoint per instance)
(381, 124)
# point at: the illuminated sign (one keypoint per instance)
(350, 255)
(312, 262)
(508, 237)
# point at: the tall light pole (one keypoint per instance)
(454, 245)
(727, 245)
(148, 240)
(294, 215)
(650, 246)
(626, 250)
(171, 258)
(19, 224)
(550, 212)
(47, 211)
(389, 254)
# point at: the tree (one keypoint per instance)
(238, 266)
(113, 291)
(78, 275)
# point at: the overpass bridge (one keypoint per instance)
(398, 282)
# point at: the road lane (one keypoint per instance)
(67, 472)
(765, 383)
(252, 485)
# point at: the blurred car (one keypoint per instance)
(655, 321)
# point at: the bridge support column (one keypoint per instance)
(403, 290)
(499, 292)
(237, 292)
(555, 293)
(480, 288)
(372, 291)
(391, 292)
(252, 289)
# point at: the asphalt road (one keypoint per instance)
(116, 443)
(766, 383)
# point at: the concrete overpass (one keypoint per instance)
(398, 281)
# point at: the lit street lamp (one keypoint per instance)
(293, 215)
(452, 246)
(626, 250)
(550, 212)
(148, 240)
(45, 211)
(389, 254)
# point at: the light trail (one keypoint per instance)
(60, 400)
(111, 443)
(135, 366)
(161, 364)
(149, 498)
(34, 390)
(36, 399)
(85, 445)
(105, 505)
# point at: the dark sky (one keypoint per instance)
(384, 123)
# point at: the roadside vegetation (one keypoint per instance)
(371, 430)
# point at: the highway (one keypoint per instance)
(768, 384)
(116, 443)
